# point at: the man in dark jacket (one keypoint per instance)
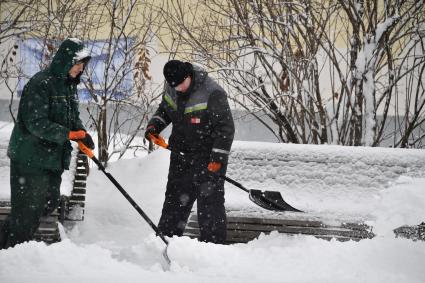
(203, 130)
(39, 147)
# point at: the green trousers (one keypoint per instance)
(35, 192)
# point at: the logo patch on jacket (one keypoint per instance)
(195, 120)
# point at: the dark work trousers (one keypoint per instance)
(35, 192)
(190, 180)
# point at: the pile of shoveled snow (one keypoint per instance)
(272, 258)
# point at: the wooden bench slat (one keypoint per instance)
(77, 198)
(79, 191)
(80, 177)
(246, 236)
(244, 229)
(4, 203)
(291, 230)
(268, 221)
(73, 202)
(4, 210)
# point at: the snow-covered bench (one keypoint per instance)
(321, 167)
(48, 231)
(321, 178)
(242, 229)
(332, 184)
(74, 201)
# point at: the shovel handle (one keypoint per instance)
(235, 183)
(158, 140)
(85, 149)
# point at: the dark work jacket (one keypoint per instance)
(48, 110)
(202, 121)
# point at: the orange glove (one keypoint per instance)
(158, 140)
(214, 166)
(76, 135)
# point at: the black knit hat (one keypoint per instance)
(175, 72)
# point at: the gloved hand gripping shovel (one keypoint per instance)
(271, 200)
(90, 154)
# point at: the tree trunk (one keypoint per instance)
(103, 136)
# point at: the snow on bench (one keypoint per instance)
(334, 185)
(320, 179)
(293, 165)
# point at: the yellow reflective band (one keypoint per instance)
(197, 107)
(170, 101)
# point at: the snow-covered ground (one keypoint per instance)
(114, 243)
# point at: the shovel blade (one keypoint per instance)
(270, 200)
(167, 262)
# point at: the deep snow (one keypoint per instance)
(114, 243)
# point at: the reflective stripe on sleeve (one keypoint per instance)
(170, 101)
(197, 107)
(221, 151)
(160, 119)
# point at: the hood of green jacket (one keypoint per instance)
(70, 52)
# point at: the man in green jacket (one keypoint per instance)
(39, 147)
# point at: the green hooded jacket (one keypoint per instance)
(48, 110)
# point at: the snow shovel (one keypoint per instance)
(271, 200)
(90, 154)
